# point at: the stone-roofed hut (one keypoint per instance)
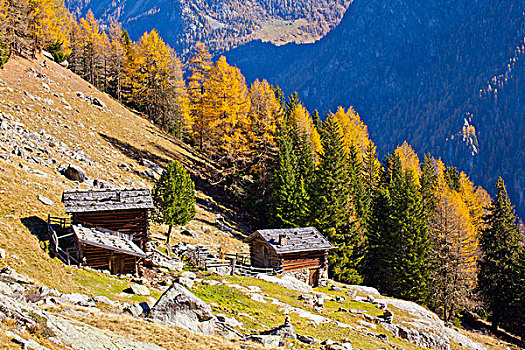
(300, 252)
(104, 249)
(122, 210)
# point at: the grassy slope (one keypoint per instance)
(110, 137)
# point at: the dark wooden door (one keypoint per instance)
(313, 278)
(117, 264)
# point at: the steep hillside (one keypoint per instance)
(425, 72)
(49, 118)
(221, 25)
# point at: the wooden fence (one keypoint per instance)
(67, 255)
(212, 257)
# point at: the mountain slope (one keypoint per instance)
(49, 117)
(220, 24)
(416, 71)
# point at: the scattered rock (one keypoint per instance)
(139, 289)
(228, 321)
(287, 282)
(153, 166)
(258, 298)
(104, 300)
(180, 307)
(328, 342)
(74, 173)
(2, 253)
(98, 102)
(335, 288)
(285, 330)
(138, 310)
(424, 339)
(307, 339)
(186, 282)
(367, 324)
(267, 341)
(365, 289)
(189, 274)
(45, 200)
(8, 275)
(76, 299)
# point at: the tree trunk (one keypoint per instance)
(495, 321)
(168, 240)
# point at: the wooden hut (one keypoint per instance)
(104, 249)
(122, 210)
(300, 252)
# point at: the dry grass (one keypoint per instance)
(109, 137)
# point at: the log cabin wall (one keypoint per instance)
(104, 259)
(262, 255)
(303, 260)
(134, 222)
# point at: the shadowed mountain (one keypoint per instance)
(443, 75)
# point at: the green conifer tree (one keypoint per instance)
(397, 258)
(289, 199)
(501, 245)
(333, 211)
(174, 197)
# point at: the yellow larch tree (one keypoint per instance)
(199, 65)
(227, 106)
(117, 59)
(306, 127)
(4, 45)
(160, 87)
(88, 40)
(265, 116)
(455, 252)
(476, 199)
(409, 160)
(49, 23)
(353, 131)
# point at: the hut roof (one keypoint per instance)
(297, 239)
(92, 200)
(107, 239)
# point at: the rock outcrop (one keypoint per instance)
(180, 307)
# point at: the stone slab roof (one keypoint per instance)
(297, 239)
(107, 239)
(92, 200)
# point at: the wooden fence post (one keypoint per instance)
(233, 263)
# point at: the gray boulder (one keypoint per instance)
(267, 341)
(45, 200)
(101, 299)
(189, 274)
(138, 309)
(287, 282)
(8, 275)
(98, 102)
(365, 289)
(424, 339)
(186, 282)
(181, 308)
(139, 289)
(75, 299)
(285, 330)
(74, 173)
(152, 165)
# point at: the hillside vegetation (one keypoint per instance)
(101, 140)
